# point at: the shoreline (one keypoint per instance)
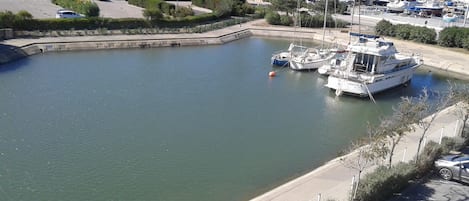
(436, 57)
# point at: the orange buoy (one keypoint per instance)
(272, 74)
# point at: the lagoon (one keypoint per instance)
(187, 123)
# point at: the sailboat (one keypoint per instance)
(282, 58)
(313, 58)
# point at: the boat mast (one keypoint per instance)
(298, 20)
(324, 25)
(359, 12)
(351, 24)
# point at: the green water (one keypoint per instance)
(189, 123)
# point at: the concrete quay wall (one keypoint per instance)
(42, 47)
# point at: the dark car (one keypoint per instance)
(454, 167)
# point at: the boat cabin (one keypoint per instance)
(372, 55)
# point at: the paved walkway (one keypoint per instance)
(334, 181)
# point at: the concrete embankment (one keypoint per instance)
(27, 47)
(98, 43)
(10, 53)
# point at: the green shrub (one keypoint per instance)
(23, 15)
(465, 43)
(423, 35)
(259, 13)
(384, 28)
(273, 18)
(286, 20)
(317, 21)
(403, 31)
(79, 24)
(85, 7)
(430, 153)
(383, 182)
(152, 14)
(8, 19)
(453, 37)
(182, 12)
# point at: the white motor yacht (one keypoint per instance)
(371, 66)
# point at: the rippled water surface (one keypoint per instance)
(189, 123)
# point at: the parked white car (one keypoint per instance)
(64, 13)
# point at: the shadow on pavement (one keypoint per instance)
(415, 192)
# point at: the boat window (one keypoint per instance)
(364, 62)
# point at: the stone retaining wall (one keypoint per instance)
(36, 48)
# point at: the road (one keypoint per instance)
(38, 8)
(118, 9)
(371, 15)
(42, 9)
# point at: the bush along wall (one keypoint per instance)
(316, 21)
(406, 32)
(454, 37)
(85, 7)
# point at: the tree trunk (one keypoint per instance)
(391, 153)
(418, 150)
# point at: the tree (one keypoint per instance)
(363, 155)
(7, 19)
(287, 6)
(393, 128)
(461, 98)
(424, 109)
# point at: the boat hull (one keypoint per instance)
(281, 59)
(299, 63)
(296, 65)
(360, 88)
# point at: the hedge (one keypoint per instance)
(317, 21)
(454, 37)
(384, 181)
(79, 23)
(85, 7)
(21, 22)
(406, 32)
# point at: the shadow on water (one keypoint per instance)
(11, 58)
